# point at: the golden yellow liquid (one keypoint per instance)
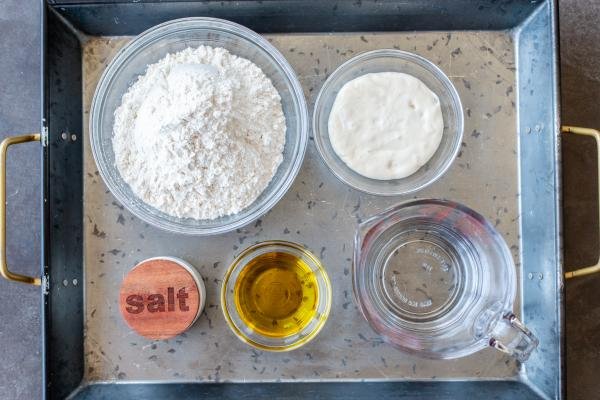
(276, 294)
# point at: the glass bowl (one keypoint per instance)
(148, 48)
(436, 279)
(389, 60)
(252, 336)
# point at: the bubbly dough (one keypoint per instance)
(385, 125)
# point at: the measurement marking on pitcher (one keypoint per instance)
(443, 264)
(403, 298)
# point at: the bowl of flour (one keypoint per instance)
(388, 122)
(198, 126)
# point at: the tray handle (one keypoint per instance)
(596, 135)
(4, 271)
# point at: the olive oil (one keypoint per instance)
(276, 294)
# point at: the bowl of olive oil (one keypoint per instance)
(276, 296)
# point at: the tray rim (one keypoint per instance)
(46, 240)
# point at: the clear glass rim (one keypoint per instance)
(242, 260)
(155, 33)
(405, 55)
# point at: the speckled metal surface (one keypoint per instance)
(319, 212)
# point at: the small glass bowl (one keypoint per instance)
(390, 60)
(173, 36)
(246, 333)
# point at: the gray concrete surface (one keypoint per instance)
(580, 80)
(20, 365)
(20, 369)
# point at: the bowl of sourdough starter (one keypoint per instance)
(198, 126)
(388, 122)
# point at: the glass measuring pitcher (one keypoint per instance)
(434, 278)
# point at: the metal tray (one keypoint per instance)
(502, 58)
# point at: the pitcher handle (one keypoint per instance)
(512, 337)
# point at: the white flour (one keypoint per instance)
(201, 134)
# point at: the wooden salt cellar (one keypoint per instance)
(162, 297)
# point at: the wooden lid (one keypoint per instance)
(161, 297)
